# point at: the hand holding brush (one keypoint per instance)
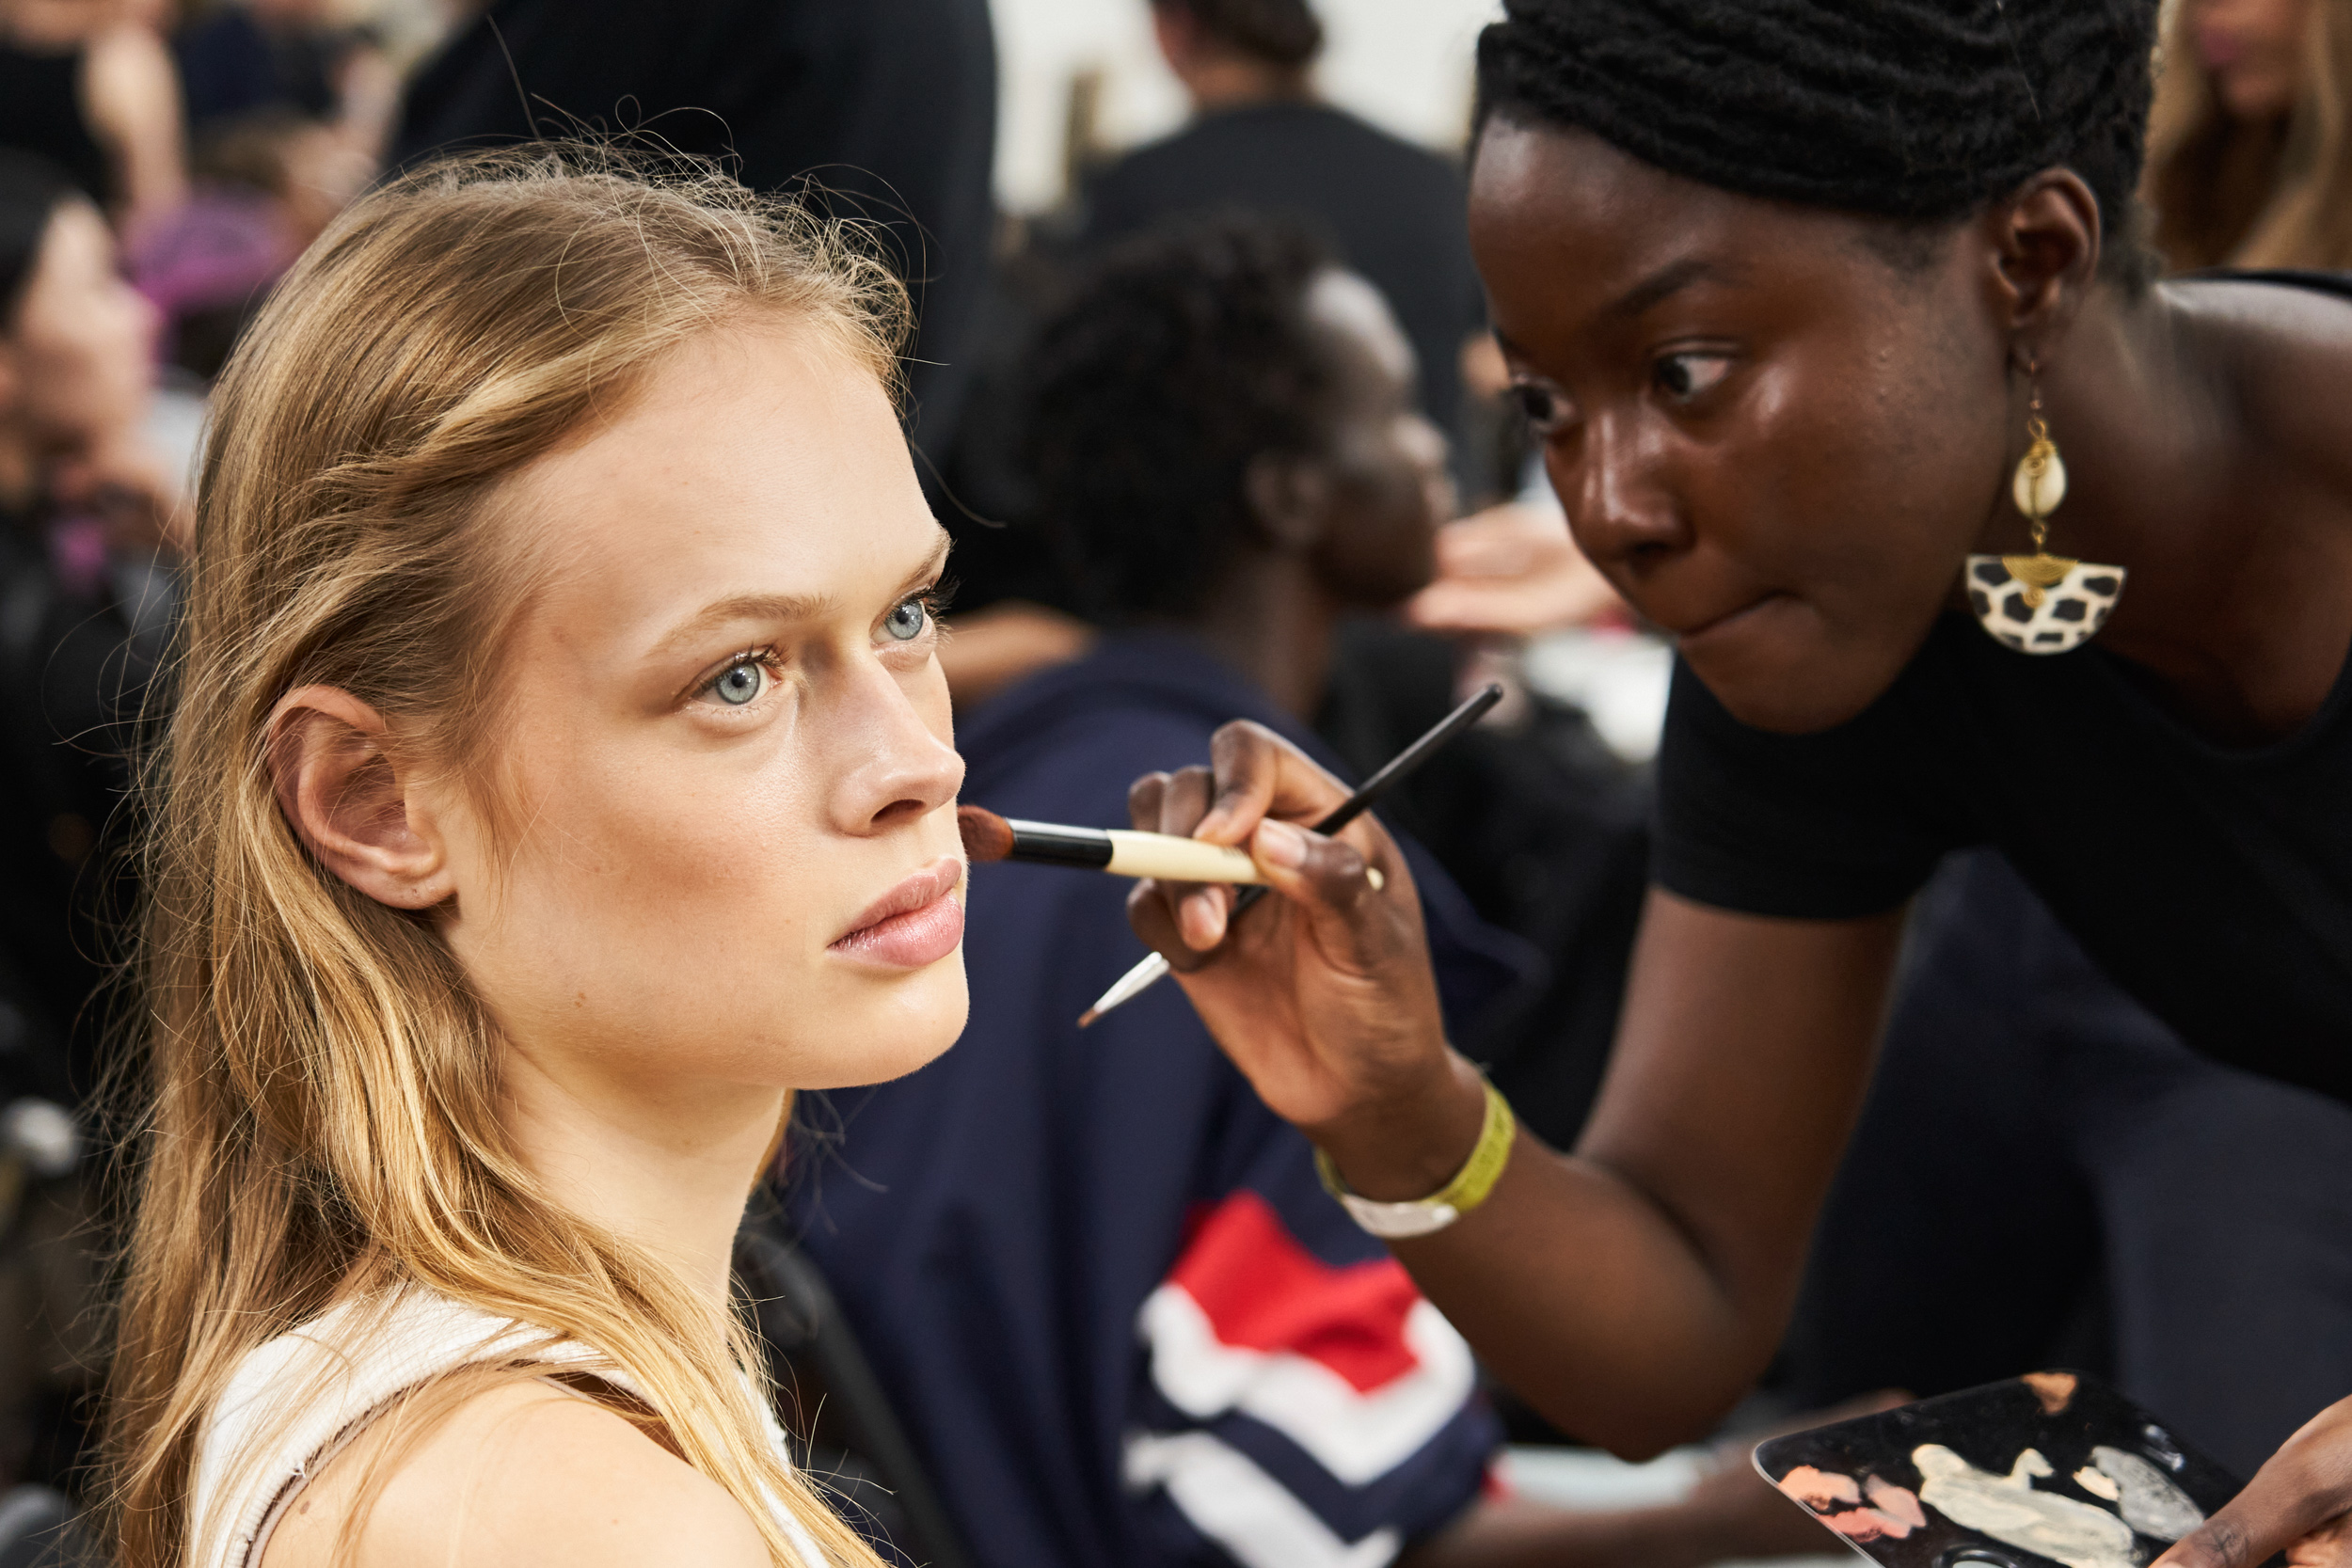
(1153, 969)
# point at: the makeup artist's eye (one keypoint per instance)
(1546, 405)
(906, 622)
(1685, 376)
(741, 682)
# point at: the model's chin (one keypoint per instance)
(908, 1026)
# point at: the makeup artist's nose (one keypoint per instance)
(897, 769)
(1611, 483)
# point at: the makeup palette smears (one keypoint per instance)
(2049, 1470)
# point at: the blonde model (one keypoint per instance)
(560, 777)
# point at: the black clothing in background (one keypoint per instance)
(890, 104)
(41, 112)
(231, 67)
(2043, 1174)
(75, 657)
(1394, 212)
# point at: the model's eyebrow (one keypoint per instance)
(773, 608)
(1665, 284)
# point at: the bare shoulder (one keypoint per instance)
(524, 1475)
(2287, 352)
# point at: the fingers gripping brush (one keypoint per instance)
(1154, 968)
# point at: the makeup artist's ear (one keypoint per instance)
(338, 787)
(1291, 498)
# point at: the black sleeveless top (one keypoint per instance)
(2214, 883)
(41, 112)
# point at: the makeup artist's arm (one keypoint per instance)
(1631, 1290)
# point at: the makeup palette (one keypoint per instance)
(2049, 1470)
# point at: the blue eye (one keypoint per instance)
(906, 622)
(741, 683)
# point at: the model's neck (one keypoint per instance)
(667, 1169)
(1271, 620)
(1228, 82)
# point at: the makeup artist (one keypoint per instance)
(1839, 335)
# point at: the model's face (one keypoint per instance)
(1777, 444)
(1389, 489)
(79, 355)
(728, 849)
(2253, 52)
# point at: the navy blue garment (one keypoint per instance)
(1097, 1277)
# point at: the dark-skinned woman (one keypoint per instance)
(1798, 290)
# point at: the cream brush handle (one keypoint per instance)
(1178, 860)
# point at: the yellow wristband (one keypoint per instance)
(1466, 1192)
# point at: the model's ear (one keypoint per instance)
(2045, 243)
(1290, 497)
(337, 785)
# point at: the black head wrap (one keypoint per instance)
(1910, 109)
(30, 189)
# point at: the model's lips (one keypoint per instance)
(914, 923)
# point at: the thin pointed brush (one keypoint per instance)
(1154, 969)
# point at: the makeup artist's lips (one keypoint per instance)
(914, 923)
(1721, 623)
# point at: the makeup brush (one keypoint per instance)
(1154, 968)
(1121, 851)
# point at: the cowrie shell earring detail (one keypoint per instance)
(2040, 603)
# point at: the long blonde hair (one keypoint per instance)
(322, 1125)
(2229, 194)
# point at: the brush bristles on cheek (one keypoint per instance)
(986, 835)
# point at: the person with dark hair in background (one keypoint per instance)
(1807, 301)
(1101, 1281)
(94, 91)
(889, 106)
(2249, 156)
(84, 612)
(1261, 140)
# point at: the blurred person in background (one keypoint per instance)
(1261, 139)
(2249, 156)
(888, 106)
(288, 114)
(82, 609)
(1101, 1283)
(89, 86)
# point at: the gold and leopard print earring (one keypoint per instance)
(2040, 603)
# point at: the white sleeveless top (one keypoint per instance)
(334, 1373)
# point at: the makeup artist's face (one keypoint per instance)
(1778, 445)
(724, 750)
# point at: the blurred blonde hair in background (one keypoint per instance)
(2229, 192)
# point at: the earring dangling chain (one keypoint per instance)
(2040, 452)
(2040, 603)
